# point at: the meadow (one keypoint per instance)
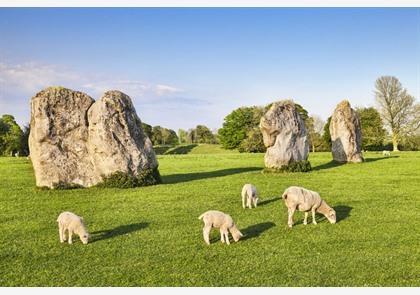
(151, 236)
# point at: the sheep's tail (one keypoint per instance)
(201, 216)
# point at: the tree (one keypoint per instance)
(182, 135)
(169, 136)
(397, 108)
(314, 126)
(373, 133)
(327, 135)
(237, 124)
(147, 129)
(11, 139)
(161, 135)
(24, 140)
(203, 135)
(253, 143)
(157, 137)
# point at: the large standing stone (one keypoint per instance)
(58, 137)
(346, 134)
(284, 135)
(76, 141)
(116, 139)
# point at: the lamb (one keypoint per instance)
(249, 195)
(305, 200)
(73, 224)
(386, 153)
(222, 221)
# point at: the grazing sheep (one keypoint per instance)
(305, 200)
(386, 153)
(249, 196)
(222, 221)
(73, 224)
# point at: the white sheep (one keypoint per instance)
(386, 153)
(73, 224)
(222, 221)
(249, 196)
(305, 200)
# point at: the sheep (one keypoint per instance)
(386, 153)
(249, 196)
(222, 221)
(73, 224)
(305, 200)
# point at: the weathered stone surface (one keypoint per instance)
(346, 134)
(76, 141)
(116, 140)
(58, 137)
(284, 135)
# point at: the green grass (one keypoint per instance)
(150, 236)
(184, 149)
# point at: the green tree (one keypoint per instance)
(314, 126)
(182, 135)
(237, 124)
(157, 137)
(203, 135)
(373, 133)
(169, 136)
(11, 139)
(398, 109)
(253, 143)
(327, 135)
(147, 129)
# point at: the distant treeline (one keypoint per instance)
(395, 124)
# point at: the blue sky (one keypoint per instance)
(189, 66)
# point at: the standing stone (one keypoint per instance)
(346, 134)
(76, 141)
(116, 139)
(58, 137)
(284, 135)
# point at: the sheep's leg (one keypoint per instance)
(60, 232)
(206, 234)
(226, 233)
(305, 221)
(249, 203)
(291, 212)
(255, 202)
(64, 234)
(243, 200)
(313, 216)
(222, 236)
(70, 236)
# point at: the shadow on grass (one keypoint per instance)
(256, 230)
(177, 178)
(342, 212)
(265, 202)
(332, 163)
(118, 231)
(181, 150)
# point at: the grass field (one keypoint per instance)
(151, 236)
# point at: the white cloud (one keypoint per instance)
(32, 77)
(160, 103)
(162, 90)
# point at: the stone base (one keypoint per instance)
(300, 166)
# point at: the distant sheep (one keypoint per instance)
(249, 196)
(73, 224)
(386, 153)
(305, 200)
(222, 221)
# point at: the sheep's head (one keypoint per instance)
(236, 234)
(84, 238)
(331, 216)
